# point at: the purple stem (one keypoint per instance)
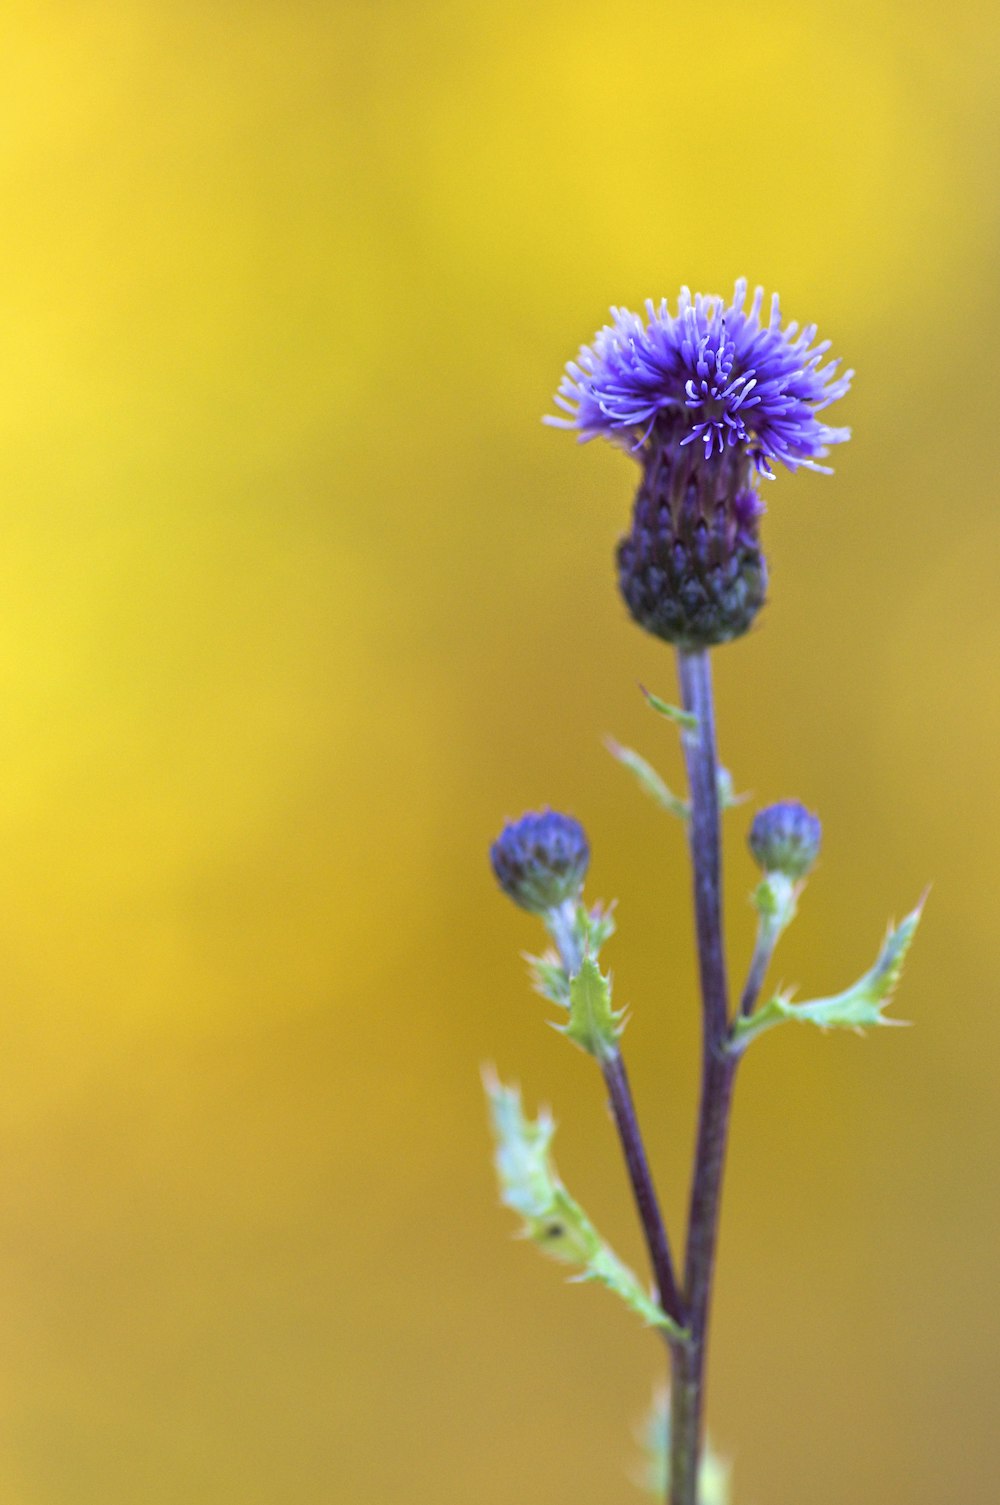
(563, 930)
(762, 953)
(643, 1190)
(718, 1069)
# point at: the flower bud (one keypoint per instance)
(691, 569)
(541, 860)
(784, 838)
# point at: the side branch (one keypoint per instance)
(643, 1190)
(762, 952)
(595, 1028)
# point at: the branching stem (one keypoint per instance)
(563, 931)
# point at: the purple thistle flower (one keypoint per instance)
(707, 400)
(722, 377)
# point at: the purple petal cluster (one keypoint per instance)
(715, 376)
(541, 859)
(785, 838)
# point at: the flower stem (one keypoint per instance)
(761, 960)
(561, 925)
(703, 774)
(643, 1190)
(718, 1069)
(562, 928)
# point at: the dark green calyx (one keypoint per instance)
(691, 568)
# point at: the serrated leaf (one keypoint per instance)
(598, 926)
(649, 780)
(593, 1023)
(589, 930)
(860, 1007)
(548, 977)
(684, 719)
(654, 1437)
(530, 1186)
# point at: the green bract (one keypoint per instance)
(654, 785)
(776, 901)
(589, 930)
(530, 1186)
(858, 1008)
(593, 1023)
(683, 719)
(648, 779)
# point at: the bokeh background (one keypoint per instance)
(298, 600)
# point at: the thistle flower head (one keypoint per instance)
(708, 399)
(541, 860)
(714, 376)
(785, 838)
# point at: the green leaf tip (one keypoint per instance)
(588, 930)
(597, 925)
(728, 798)
(530, 1186)
(654, 1475)
(858, 1008)
(776, 901)
(548, 977)
(648, 779)
(656, 787)
(593, 1024)
(684, 719)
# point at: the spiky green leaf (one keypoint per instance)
(648, 779)
(590, 929)
(593, 1023)
(860, 1007)
(684, 719)
(598, 926)
(548, 977)
(530, 1186)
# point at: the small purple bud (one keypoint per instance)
(541, 860)
(784, 838)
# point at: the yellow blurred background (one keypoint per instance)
(298, 600)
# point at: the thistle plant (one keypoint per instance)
(708, 401)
